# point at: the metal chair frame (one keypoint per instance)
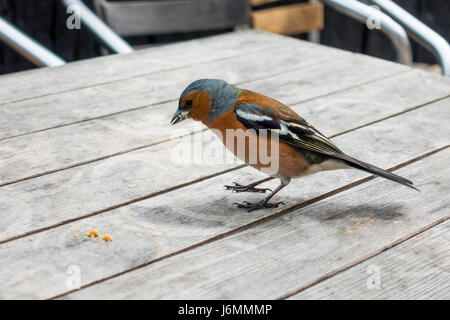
(393, 23)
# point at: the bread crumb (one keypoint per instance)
(93, 233)
(77, 236)
(107, 238)
(30, 238)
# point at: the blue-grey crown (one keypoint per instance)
(223, 94)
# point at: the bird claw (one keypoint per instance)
(259, 205)
(240, 188)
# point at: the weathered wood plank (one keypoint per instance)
(291, 19)
(100, 100)
(80, 74)
(290, 251)
(70, 145)
(92, 184)
(158, 226)
(416, 269)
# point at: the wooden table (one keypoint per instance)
(88, 145)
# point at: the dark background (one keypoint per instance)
(45, 21)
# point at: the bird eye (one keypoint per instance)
(188, 103)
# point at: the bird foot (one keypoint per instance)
(259, 205)
(240, 188)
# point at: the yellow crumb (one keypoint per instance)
(131, 186)
(93, 233)
(131, 214)
(31, 238)
(77, 236)
(107, 238)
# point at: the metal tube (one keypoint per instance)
(419, 32)
(27, 47)
(388, 26)
(314, 35)
(99, 28)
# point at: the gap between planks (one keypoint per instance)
(144, 197)
(83, 117)
(156, 104)
(130, 78)
(334, 59)
(417, 119)
(194, 41)
(365, 258)
(167, 140)
(280, 44)
(423, 251)
(279, 214)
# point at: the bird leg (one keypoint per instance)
(249, 188)
(265, 202)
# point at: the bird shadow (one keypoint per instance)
(221, 211)
(379, 211)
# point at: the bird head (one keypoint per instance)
(204, 100)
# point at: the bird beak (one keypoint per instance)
(179, 116)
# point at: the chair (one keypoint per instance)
(288, 19)
(138, 18)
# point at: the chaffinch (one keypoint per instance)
(296, 146)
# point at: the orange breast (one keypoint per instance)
(272, 157)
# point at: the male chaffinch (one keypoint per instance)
(300, 148)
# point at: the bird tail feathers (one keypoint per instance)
(358, 164)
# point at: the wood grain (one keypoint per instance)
(81, 74)
(149, 229)
(260, 2)
(108, 165)
(281, 254)
(416, 269)
(101, 100)
(92, 184)
(67, 146)
(291, 19)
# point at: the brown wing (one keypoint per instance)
(257, 112)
